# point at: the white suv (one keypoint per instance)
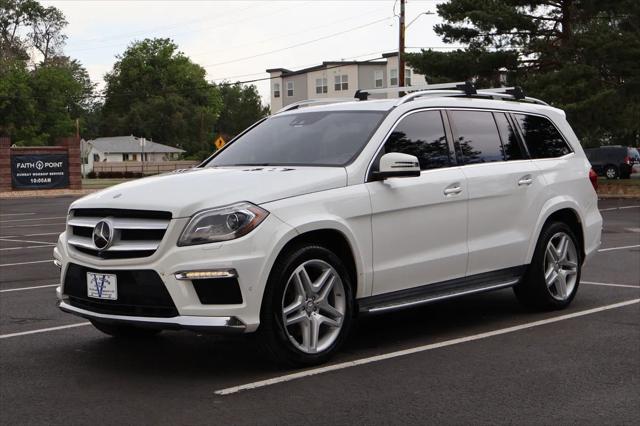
(317, 215)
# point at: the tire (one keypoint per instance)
(538, 289)
(611, 172)
(125, 331)
(313, 307)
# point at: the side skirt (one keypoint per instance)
(440, 291)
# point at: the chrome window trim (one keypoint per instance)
(449, 108)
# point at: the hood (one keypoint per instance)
(186, 192)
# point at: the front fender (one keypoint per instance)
(345, 210)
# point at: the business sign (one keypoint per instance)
(43, 171)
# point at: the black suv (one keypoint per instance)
(613, 161)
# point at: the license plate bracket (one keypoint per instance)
(102, 286)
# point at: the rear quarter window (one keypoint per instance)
(542, 138)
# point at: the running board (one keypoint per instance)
(440, 291)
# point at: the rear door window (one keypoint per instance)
(510, 146)
(421, 134)
(542, 138)
(476, 136)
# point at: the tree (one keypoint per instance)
(26, 24)
(39, 106)
(242, 107)
(17, 106)
(46, 31)
(582, 56)
(156, 92)
(61, 91)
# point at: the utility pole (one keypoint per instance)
(143, 143)
(401, 47)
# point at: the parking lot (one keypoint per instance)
(477, 360)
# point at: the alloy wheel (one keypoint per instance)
(561, 266)
(313, 306)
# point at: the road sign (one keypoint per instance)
(219, 143)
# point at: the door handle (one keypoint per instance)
(452, 190)
(525, 180)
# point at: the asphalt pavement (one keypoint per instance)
(482, 359)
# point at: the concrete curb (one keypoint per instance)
(45, 193)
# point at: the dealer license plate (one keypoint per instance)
(102, 286)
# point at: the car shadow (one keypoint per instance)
(191, 357)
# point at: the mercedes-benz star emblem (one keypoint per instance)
(103, 235)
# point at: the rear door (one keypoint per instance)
(419, 224)
(504, 189)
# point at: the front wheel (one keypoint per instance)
(552, 280)
(307, 308)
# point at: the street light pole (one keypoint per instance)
(401, 47)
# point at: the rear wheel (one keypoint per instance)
(307, 308)
(125, 331)
(552, 279)
(611, 172)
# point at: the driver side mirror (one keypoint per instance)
(396, 164)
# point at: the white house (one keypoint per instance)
(124, 149)
(337, 79)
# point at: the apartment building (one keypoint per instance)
(337, 79)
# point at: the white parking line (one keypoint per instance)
(26, 263)
(27, 247)
(28, 288)
(610, 285)
(31, 226)
(39, 218)
(390, 355)
(619, 208)
(15, 214)
(43, 330)
(25, 241)
(618, 248)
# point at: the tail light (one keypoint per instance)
(593, 177)
(627, 160)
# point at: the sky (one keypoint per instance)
(239, 40)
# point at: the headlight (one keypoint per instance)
(222, 224)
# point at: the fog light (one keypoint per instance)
(206, 275)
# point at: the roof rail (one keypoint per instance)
(314, 102)
(464, 88)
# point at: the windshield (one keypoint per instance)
(326, 138)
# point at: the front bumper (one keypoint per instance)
(209, 324)
(251, 256)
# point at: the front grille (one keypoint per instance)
(136, 233)
(140, 293)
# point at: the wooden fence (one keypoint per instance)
(147, 168)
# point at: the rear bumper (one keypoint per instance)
(194, 323)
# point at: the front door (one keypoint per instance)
(419, 224)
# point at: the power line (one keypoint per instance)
(304, 43)
(160, 94)
(234, 23)
(306, 30)
(301, 66)
(162, 28)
